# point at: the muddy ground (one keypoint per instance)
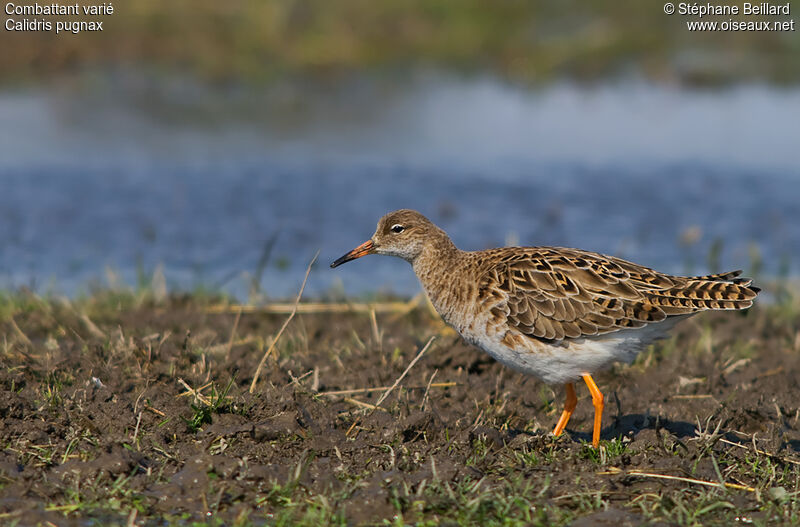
(120, 411)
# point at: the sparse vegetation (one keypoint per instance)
(120, 408)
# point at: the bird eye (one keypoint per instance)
(398, 228)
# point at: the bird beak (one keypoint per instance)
(362, 250)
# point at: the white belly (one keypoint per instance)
(557, 362)
(566, 361)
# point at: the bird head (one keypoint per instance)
(402, 233)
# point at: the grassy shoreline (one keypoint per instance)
(529, 42)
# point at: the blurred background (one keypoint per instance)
(216, 146)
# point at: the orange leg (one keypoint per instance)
(597, 401)
(569, 407)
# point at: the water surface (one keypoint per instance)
(137, 172)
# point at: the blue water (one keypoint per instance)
(139, 173)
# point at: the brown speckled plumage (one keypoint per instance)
(553, 312)
(556, 293)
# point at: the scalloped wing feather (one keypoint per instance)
(555, 293)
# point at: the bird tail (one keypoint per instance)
(703, 293)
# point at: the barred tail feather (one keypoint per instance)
(702, 293)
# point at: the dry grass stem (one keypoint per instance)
(233, 334)
(352, 426)
(20, 335)
(317, 308)
(296, 380)
(363, 404)
(91, 327)
(376, 335)
(428, 389)
(382, 388)
(283, 327)
(735, 366)
(774, 371)
(219, 348)
(616, 472)
(195, 392)
(762, 452)
(154, 410)
(402, 375)
(136, 430)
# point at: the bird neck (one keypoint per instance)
(435, 266)
(437, 250)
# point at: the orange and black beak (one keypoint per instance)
(362, 250)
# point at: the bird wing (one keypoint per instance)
(554, 293)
